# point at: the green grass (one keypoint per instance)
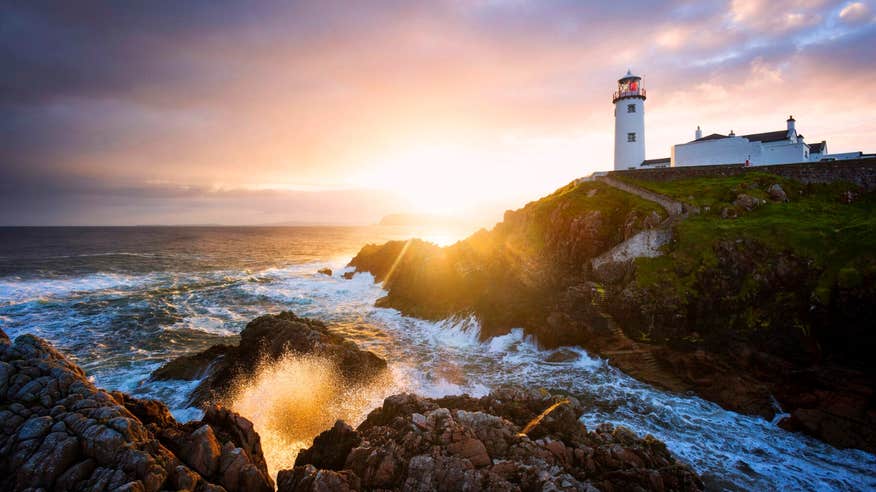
(814, 224)
(715, 191)
(576, 199)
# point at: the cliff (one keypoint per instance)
(516, 274)
(764, 293)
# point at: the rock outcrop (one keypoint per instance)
(511, 439)
(775, 305)
(264, 340)
(59, 432)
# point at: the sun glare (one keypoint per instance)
(433, 179)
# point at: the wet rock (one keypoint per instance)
(330, 449)
(348, 275)
(310, 479)
(325, 271)
(264, 340)
(201, 451)
(465, 443)
(563, 355)
(777, 193)
(60, 432)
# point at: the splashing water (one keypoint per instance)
(292, 400)
(121, 316)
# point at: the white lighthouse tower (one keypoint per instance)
(629, 122)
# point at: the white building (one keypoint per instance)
(776, 147)
(629, 122)
(758, 149)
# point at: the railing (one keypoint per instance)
(622, 94)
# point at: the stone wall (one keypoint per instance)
(861, 172)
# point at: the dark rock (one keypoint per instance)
(348, 275)
(563, 355)
(325, 271)
(59, 432)
(308, 478)
(465, 443)
(264, 340)
(330, 449)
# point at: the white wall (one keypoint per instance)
(629, 154)
(734, 150)
(731, 150)
(783, 152)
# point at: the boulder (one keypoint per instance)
(264, 340)
(59, 432)
(465, 443)
(325, 271)
(777, 193)
(747, 202)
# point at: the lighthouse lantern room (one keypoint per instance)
(629, 122)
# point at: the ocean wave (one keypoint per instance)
(14, 290)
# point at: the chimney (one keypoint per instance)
(792, 130)
(699, 133)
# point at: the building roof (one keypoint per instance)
(817, 148)
(628, 76)
(714, 136)
(775, 136)
(768, 136)
(651, 162)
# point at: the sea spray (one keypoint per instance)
(292, 400)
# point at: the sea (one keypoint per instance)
(123, 301)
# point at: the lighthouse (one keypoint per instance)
(629, 122)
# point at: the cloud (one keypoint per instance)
(81, 201)
(856, 13)
(325, 95)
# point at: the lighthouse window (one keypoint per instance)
(631, 137)
(631, 108)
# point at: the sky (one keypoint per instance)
(338, 112)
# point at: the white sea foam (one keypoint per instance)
(14, 290)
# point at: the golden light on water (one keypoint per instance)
(293, 400)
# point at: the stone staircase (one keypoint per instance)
(638, 360)
(646, 243)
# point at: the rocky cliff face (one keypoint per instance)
(522, 272)
(509, 440)
(60, 432)
(762, 297)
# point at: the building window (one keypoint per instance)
(631, 108)
(631, 137)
